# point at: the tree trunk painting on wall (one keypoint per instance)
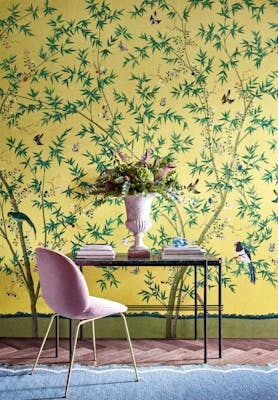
(192, 79)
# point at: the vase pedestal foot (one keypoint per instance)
(138, 253)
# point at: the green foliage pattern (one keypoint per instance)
(198, 92)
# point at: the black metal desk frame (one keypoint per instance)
(122, 260)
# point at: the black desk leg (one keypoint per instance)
(57, 336)
(81, 327)
(195, 303)
(205, 312)
(70, 337)
(220, 308)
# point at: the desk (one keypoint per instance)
(122, 260)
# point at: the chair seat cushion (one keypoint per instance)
(99, 307)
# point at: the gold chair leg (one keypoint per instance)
(130, 347)
(43, 342)
(72, 356)
(94, 341)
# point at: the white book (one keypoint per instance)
(95, 257)
(85, 255)
(193, 247)
(200, 256)
(183, 252)
(96, 251)
(96, 246)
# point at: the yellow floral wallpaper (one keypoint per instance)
(193, 80)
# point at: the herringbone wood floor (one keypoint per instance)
(14, 351)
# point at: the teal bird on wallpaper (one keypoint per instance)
(243, 254)
(20, 217)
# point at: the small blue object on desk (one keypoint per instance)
(179, 242)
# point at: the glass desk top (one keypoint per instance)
(122, 259)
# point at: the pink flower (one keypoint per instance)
(146, 157)
(164, 171)
(123, 157)
(108, 187)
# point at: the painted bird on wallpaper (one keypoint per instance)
(243, 254)
(276, 198)
(20, 217)
(226, 98)
(38, 138)
(154, 20)
(192, 187)
(122, 47)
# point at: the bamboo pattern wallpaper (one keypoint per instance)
(191, 79)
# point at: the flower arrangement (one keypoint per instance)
(144, 175)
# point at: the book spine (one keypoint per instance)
(100, 247)
(95, 253)
(188, 253)
(92, 257)
(189, 258)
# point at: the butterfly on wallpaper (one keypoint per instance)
(154, 20)
(135, 270)
(192, 187)
(122, 47)
(163, 101)
(37, 139)
(226, 98)
(12, 294)
(125, 241)
(271, 247)
(75, 147)
(276, 194)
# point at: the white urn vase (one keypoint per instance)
(138, 210)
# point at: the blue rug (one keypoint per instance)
(156, 383)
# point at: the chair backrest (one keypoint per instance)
(63, 285)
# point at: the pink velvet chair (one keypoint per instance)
(65, 291)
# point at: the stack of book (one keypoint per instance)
(188, 252)
(95, 251)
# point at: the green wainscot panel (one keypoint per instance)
(149, 326)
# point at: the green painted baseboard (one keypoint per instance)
(150, 326)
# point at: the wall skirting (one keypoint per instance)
(147, 325)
